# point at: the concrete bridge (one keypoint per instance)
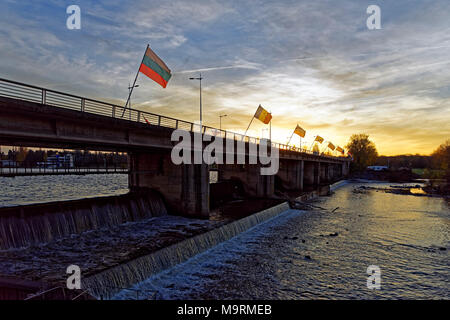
(37, 117)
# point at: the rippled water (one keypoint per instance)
(36, 189)
(322, 254)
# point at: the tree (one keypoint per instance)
(363, 151)
(22, 154)
(441, 158)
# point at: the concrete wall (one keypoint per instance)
(290, 174)
(312, 174)
(254, 184)
(185, 188)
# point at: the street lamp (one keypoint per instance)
(220, 120)
(129, 92)
(200, 79)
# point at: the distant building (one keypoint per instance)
(8, 164)
(58, 161)
(378, 168)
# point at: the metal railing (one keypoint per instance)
(26, 92)
(17, 168)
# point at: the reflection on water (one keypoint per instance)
(37, 189)
(417, 191)
(320, 254)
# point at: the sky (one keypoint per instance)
(312, 63)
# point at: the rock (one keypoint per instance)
(334, 234)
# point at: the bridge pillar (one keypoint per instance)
(254, 184)
(290, 174)
(311, 174)
(185, 188)
(345, 168)
(323, 172)
(331, 172)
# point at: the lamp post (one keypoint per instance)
(130, 88)
(200, 79)
(220, 120)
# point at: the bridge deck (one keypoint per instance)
(35, 116)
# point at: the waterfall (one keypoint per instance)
(107, 283)
(33, 224)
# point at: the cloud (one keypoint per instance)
(310, 62)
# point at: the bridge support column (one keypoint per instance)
(345, 168)
(311, 174)
(290, 174)
(331, 173)
(185, 187)
(323, 172)
(254, 184)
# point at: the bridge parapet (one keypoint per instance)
(38, 117)
(43, 96)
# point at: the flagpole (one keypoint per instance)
(134, 83)
(249, 126)
(291, 137)
(313, 143)
(323, 149)
(270, 129)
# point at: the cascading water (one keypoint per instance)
(27, 225)
(107, 283)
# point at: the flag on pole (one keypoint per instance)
(300, 131)
(148, 122)
(319, 139)
(339, 149)
(331, 146)
(154, 68)
(263, 115)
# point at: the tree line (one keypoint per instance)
(85, 158)
(364, 152)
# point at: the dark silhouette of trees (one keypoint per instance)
(407, 160)
(441, 158)
(363, 150)
(30, 158)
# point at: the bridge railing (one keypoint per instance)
(26, 92)
(12, 168)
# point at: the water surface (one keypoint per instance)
(37, 189)
(322, 254)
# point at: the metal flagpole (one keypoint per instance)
(249, 125)
(323, 150)
(270, 128)
(291, 137)
(131, 91)
(313, 143)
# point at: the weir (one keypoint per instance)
(42, 223)
(106, 284)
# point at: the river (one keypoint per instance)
(321, 254)
(315, 254)
(37, 189)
